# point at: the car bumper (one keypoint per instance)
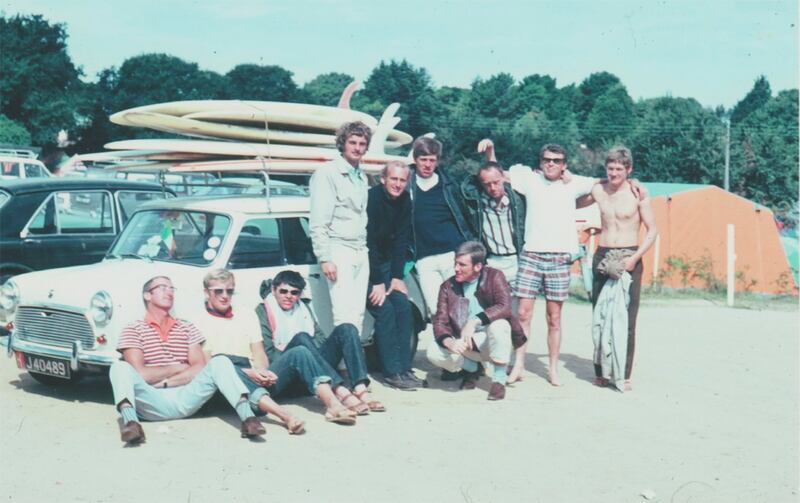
(79, 358)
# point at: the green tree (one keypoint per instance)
(755, 99)
(13, 132)
(611, 120)
(493, 97)
(590, 90)
(39, 84)
(262, 83)
(764, 156)
(326, 89)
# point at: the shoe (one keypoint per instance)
(470, 380)
(252, 427)
(398, 381)
(131, 433)
(344, 416)
(452, 376)
(497, 391)
(412, 378)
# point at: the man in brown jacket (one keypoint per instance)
(474, 322)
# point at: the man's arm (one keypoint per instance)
(649, 221)
(197, 361)
(442, 331)
(400, 246)
(152, 375)
(260, 373)
(377, 290)
(501, 308)
(323, 202)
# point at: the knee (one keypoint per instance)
(347, 331)
(298, 353)
(120, 368)
(524, 313)
(553, 320)
(220, 363)
(303, 338)
(501, 326)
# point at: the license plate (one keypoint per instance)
(47, 366)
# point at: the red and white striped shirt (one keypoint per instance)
(144, 335)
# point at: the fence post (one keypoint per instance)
(731, 264)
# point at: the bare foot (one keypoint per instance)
(628, 386)
(600, 382)
(296, 426)
(552, 378)
(515, 374)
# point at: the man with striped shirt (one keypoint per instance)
(163, 372)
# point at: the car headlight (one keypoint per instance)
(101, 308)
(9, 296)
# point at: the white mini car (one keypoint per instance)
(21, 164)
(66, 322)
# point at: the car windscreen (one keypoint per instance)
(130, 200)
(189, 237)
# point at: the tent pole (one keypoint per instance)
(656, 257)
(731, 256)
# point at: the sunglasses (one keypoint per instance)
(557, 162)
(166, 288)
(285, 291)
(220, 291)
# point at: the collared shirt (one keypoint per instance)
(338, 208)
(497, 226)
(162, 328)
(146, 336)
(550, 213)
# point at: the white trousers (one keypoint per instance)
(433, 271)
(507, 264)
(494, 345)
(349, 291)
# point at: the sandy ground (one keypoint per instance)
(713, 417)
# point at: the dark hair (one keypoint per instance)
(349, 129)
(490, 165)
(554, 148)
(289, 277)
(620, 154)
(427, 146)
(475, 250)
(149, 284)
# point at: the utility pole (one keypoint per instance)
(727, 183)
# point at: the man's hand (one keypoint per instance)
(629, 263)
(378, 294)
(329, 270)
(467, 333)
(264, 378)
(487, 147)
(638, 189)
(456, 346)
(398, 285)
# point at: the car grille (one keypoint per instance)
(53, 327)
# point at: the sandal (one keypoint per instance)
(296, 426)
(372, 405)
(601, 382)
(359, 407)
(341, 416)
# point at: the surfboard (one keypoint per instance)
(241, 149)
(144, 155)
(280, 166)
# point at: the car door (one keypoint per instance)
(70, 228)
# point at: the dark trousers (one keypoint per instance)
(343, 343)
(598, 280)
(393, 326)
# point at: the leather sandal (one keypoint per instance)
(360, 408)
(372, 405)
(342, 416)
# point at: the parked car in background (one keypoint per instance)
(59, 222)
(16, 163)
(66, 322)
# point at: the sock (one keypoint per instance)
(128, 414)
(499, 373)
(243, 409)
(469, 365)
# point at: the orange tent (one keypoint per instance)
(691, 249)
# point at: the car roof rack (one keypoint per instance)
(14, 152)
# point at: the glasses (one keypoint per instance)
(220, 291)
(557, 161)
(286, 291)
(166, 288)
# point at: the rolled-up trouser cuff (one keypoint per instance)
(321, 380)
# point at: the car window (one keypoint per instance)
(44, 221)
(258, 245)
(10, 169)
(82, 212)
(34, 171)
(297, 241)
(192, 237)
(130, 200)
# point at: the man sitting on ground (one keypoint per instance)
(474, 322)
(164, 374)
(287, 323)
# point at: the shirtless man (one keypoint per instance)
(621, 215)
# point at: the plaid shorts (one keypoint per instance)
(546, 273)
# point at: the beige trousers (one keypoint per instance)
(493, 343)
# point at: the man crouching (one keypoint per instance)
(474, 322)
(163, 374)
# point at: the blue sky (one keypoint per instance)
(711, 50)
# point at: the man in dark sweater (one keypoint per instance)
(388, 232)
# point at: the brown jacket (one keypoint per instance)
(494, 296)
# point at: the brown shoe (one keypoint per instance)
(252, 427)
(131, 433)
(497, 391)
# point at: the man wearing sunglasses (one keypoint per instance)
(288, 325)
(164, 374)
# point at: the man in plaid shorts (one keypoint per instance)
(551, 242)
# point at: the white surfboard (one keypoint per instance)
(240, 149)
(143, 155)
(280, 166)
